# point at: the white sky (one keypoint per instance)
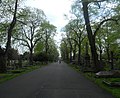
(54, 10)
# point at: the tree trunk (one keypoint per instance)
(100, 55)
(70, 55)
(2, 64)
(71, 48)
(91, 37)
(74, 52)
(79, 53)
(112, 63)
(100, 51)
(46, 46)
(108, 53)
(31, 57)
(67, 55)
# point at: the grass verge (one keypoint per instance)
(14, 73)
(115, 91)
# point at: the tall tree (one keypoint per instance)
(53, 53)
(9, 35)
(64, 49)
(49, 31)
(30, 29)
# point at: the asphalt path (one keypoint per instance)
(52, 81)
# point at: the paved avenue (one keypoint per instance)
(52, 81)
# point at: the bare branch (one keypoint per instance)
(90, 1)
(69, 41)
(25, 34)
(25, 45)
(101, 23)
(74, 31)
(21, 22)
(79, 30)
(74, 40)
(36, 41)
(23, 41)
(82, 39)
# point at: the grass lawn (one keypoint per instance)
(115, 91)
(14, 73)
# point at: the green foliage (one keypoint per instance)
(48, 30)
(46, 26)
(13, 54)
(41, 57)
(64, 48)
(39, 47)
(52, 53)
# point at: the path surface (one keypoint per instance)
(53, 81)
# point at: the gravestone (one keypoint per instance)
(108, 74)
(112, 84)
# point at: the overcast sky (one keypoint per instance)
(54, 10)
